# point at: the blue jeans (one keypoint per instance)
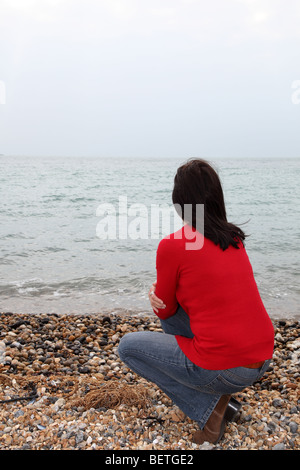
(157, 357)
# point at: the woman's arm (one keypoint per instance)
(155, 302)
(166, 279)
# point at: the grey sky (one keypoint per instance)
(163, 78)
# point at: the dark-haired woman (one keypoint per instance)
(218, 338)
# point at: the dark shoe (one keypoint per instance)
(214, 428)
(232, 409)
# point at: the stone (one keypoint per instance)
(42, 356)
(277, 402)
(279, 446)
(293, 427)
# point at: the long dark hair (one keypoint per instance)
(196, 182)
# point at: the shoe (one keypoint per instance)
(232, 409)
(214, 428)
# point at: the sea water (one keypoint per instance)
(54, 256)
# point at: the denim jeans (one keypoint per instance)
(157, 357)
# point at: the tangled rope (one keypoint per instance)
(86, 391)
(112, 394)
(8, 381)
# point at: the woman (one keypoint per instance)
(218, 338)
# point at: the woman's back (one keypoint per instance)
(217, 289)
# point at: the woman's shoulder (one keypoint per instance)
(171, 241)
(174, 237)
(186, 238)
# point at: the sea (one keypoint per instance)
(79, 234)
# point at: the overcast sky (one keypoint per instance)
(160, 78)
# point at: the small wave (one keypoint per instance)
(51, 249)
(54, 197)
(110, 285)
(28, 290)
(82, 199)
(17, 236)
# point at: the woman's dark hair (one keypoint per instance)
(196, 182)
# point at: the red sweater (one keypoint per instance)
(218, 291)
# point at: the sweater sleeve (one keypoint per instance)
(166, 276)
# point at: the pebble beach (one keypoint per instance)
(63, 387)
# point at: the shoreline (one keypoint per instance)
(59, 363)
(130, 312)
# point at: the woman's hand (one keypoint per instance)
(155, 302)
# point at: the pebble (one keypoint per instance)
(58, 358)
(279, 447)
(293, 427)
